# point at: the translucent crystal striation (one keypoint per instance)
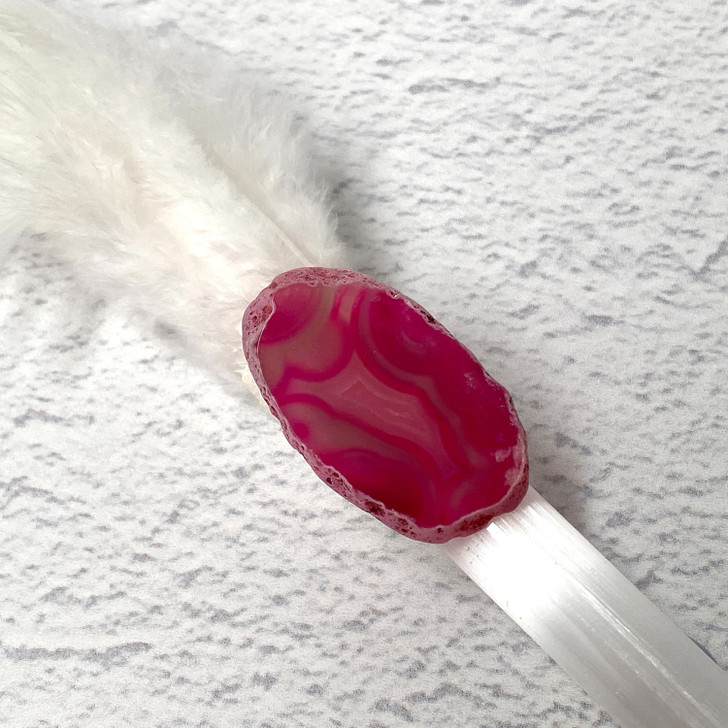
(385, 405)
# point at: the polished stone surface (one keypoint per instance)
(384, 404)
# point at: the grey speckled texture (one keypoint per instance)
(550, 180)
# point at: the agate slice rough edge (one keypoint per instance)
(385, 405)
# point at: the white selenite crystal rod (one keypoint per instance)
(626, 654)
(151, 192)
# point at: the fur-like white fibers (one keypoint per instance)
(183, 189)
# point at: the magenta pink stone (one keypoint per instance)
(385, 405)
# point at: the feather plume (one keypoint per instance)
(179, 189)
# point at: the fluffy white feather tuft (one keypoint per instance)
(182, 189)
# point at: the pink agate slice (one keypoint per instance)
(385, 405)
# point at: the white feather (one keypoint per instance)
(141, 176)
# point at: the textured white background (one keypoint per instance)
(550, 180)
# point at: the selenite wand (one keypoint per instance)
(144, 188)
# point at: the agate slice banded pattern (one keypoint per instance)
(385, 405)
